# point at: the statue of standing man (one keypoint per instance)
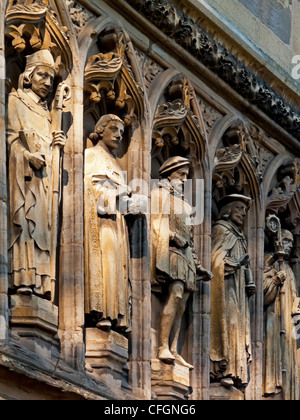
(31, 141)
(280, 364)
(175, 266)
(232, 286)
(107, 255)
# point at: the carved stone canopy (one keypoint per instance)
(236, 169)
(110, 81)
(176, 127)
(288, 184)
(193, 38)
(32, 25)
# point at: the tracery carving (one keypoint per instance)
(79, 15)
(32, 25)
(236, 168)
(176, 126)
(110, 79)
(201, 44)
(288, 183)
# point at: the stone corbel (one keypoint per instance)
(287, 186)
(32, 25)
(175, 123)
(109, 77)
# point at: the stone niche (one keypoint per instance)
(186, 98)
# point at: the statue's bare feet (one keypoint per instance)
(180, 360)
(227, 382)
(165, 355)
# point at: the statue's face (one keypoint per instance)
(112, 135)
(180, 175)
(42, 81)
(287, 245)
(238, 213)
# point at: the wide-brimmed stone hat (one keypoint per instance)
(234, 197)
(173, 163)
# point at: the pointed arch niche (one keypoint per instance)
(236, 170)
(113, 84)
(178, 130)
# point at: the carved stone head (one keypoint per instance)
(288, 242)
(173, 164)
(234, 207)
(39, 73)
(109, 131)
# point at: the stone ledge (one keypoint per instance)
(169, 381)
(56, 375)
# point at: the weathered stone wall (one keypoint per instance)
(269, 29)
(188, 76)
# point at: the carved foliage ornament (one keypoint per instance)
(237, 169)
(175, 123)
(194, 39)
(287, 186)
(33, 24)
(109, 77)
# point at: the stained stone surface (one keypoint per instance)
(100, 297)
(274, 15)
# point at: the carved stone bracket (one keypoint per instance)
(237, 168)
(109, 77)
(32, 25)
(201, 45)
(175, 123)
(287, 186)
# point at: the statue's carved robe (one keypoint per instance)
(230, 321)
(272, 375)
(106, 240)
(170, 228)
(29, 128)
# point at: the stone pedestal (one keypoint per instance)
(169, 382)
(106, 356)
(34, 322)
(219, 392)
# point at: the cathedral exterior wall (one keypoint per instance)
(103, 294)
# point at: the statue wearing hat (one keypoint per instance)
(174, 264)
(281, 305)
(31, 141)
(232, 286)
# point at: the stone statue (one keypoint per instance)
(280, 365)
(174, 265)
(31, 141)
(232, 285)
(107, 201)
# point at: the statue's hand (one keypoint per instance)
(179, 241)
(36, 159)
(138, 204)
(280, 278)
(59, 138)
(245, 260)
(203, 273)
